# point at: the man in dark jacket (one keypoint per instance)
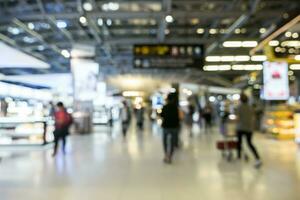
(170, 116)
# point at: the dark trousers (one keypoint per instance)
(170, 140)
(125, 126)
(248, 135)
(60, 135)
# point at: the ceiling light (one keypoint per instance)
(29, 39)
(227, 58)
(262, 30)
(224, 67)
(295, 35)
(30, 25)
(216, 67)
(213, 31)
(259, 58)
(41, 48)
(132, 93)
(242, 58)
(169, 19)
(65, 53)
(110, 6)
(213, 58)
(167, 31)
(200, 30)
(87, 6)
(232, 44)
(291, 43)
(237, 31)
(288, 34)
(100, 22)
(297, 57)
(295, 67)
(13, 30)
(249, 44)
(61, 24)
(82, 20)
(290, 73)
(108, 22)
(274, 43)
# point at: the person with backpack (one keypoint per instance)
(63, 121)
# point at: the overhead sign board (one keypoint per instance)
(276, 82)
(168, 56)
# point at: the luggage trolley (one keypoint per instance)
(229, 142)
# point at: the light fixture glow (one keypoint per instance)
(61, 24)
(259, 58)
(200, 30)
(108, 22)
(242, 58)
(249, 44)
(65, 53)
(262, 30)
(87, 6)
(274, 43)
(100, 22)
(232, 44)
(213, 58)
(110, 6)
(169, 19)
(82, 20)
(288, 34)
(213, 31)
(295, 67)
(297, 57)
(295, 35)
(30, 25)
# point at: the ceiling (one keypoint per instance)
(47, 29)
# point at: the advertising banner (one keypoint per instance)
(276, 82)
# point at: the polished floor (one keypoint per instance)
(105, 166)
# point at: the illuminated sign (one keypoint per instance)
(276, 82)
(168, 56)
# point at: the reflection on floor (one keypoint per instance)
(105, 166)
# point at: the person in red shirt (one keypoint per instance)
(63, 121)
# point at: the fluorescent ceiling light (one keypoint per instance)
(213, 58)
(232, 44)
(259, 58)
(216, 67)
(9, 55)
(249, 44)
(242, 58)
(291, 43)
(297, 57)
(87, 6)
(295, 67)
(274, 43)
(227, 58)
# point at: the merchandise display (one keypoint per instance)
(280, 121)
(25, 131)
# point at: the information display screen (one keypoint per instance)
(168, 56)
(276, 82)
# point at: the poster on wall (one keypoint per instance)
(276, 82)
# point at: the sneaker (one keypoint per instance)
(258, 164)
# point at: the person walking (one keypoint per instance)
(63, 121)
(207, 115)
(126, 116)
(245, 128)
(170, 125)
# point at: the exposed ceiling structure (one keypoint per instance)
(47, 29)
